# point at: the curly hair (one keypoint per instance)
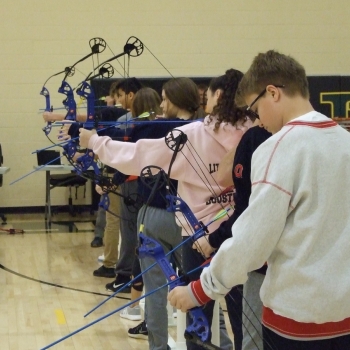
(226, 110)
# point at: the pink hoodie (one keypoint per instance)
(194, 166)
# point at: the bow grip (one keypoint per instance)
(104, 201)
(69, 103)
(70, 149)
(86, 161)
(85, 90)
(177, 204)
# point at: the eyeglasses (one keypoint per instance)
(249, 112)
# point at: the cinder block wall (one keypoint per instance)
(190, 37)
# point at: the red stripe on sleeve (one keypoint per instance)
(198, 292)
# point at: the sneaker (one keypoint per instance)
(97, 242)
(104, 272)
(131, 313)
(119, 282)
(101, 258)
(139, 332)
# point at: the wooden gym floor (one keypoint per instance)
(47, 286)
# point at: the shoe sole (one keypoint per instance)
(125, 291)
(131, 317)
(138, 336)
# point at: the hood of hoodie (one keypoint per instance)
(223, 134)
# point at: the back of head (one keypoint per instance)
(146, 100)
(225, 109)
(183, 93)
(128, 85)
(273, 68)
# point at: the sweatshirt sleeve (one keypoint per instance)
(131, 158)
(256, 232)
(223, 232)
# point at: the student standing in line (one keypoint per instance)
(238, 175)
(297, 219)
(159, 224)
(124, 94)
(211, 139)
(101, 213)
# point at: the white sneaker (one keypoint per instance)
(101, 258)
(131, 313)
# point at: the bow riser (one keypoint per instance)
(69, 102)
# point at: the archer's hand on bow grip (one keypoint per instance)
(84, 137)
(180, 298)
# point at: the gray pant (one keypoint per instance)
(160, 225)
(252, 312)
(128, 231)
(100, 222)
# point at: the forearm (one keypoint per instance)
(81, 117)
(131, 158)
(255, 235)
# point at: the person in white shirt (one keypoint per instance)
(297, 219)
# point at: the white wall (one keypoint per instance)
(190, 37)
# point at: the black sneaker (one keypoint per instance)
(104, 272)
(139, 332)
(119, 282)
(97, 242)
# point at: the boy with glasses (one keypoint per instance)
(297, 219)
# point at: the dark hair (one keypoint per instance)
(146, 100)
(183, 93)
(202, 86)
(273, 68)
(226, 110)
(128, 85)
(112, 88)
